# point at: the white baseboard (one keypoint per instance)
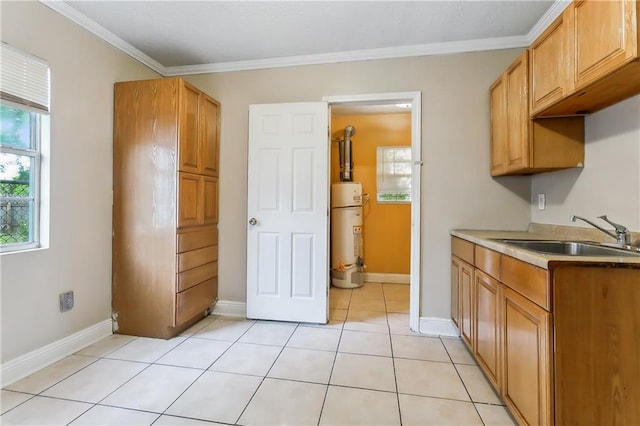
(436, 326)
(230, 309)
(387, 278)
(17, 368)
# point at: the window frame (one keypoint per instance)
(380, 174)
(35, 152)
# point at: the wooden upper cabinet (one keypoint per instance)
(550, 65)
(199, 132)
(516, 78)
(189, 160)
(605, 38)
(588, 59)
(520, 145)
(209, 135)
(498, 127)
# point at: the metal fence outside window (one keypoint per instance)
(15, 211)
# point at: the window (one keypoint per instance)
(24, 103)
(394, 174)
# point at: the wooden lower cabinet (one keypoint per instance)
(597, 345)
(462, 282)
(487, 326)
(527, 357)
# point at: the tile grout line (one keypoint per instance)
(210, 365)
(267, 373)
(335, 357)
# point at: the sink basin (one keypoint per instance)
(569, 248)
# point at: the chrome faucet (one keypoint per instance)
(622, 234)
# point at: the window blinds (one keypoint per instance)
(24, 79)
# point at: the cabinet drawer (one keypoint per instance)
(526, 279)
(462, 249)
(191, 259)
(202, 237)
(488, 261)
(197, 275)
(195, 300)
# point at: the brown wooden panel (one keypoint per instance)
(210, 188)
(498, 93)
(188, 160)
(143, 262)
(455, 292)
(191, 259)
(597, 345)
(210, 135)
(190, 196)
(488, 261)
(466, 304)
(551, 62)
(606, 37)
(197, 238)
(462, 249)
(526, 279)
(527, 373)
(517, 113)
(196, 275)
(487, 323)
(195, 300)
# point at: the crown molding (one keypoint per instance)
(550, 15)
(93, 27)
(355, 55)
(324, 58)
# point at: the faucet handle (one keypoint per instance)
(619, 228)
(622, 233)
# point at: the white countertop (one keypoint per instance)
(486, 239)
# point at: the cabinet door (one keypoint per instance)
(190, 200)
(466, 302)
(209, 134)
(527, 381)
(188, 160)
(487, 325)
(550, 65)
(499, 141)
(517, 114)
(605, 37)
(455, 292)
(210, 200)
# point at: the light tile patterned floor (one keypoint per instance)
(363, 368)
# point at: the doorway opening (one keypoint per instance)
(385, 135)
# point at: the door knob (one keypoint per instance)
(252, 221)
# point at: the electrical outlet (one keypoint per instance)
(542, 201)
(66, 301)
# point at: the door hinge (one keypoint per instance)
(418, 163)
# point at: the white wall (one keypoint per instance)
(610, 181)
(457, 190)
(83, 70)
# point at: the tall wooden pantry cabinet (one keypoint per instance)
(165, 206)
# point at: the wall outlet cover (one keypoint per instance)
(542, 201)
(66, 301)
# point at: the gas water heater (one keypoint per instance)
(346, 235)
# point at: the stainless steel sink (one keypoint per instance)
(570, 248)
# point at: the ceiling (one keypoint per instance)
(180, 37)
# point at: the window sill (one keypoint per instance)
(22, 250)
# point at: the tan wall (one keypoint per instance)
(83, 70)
(610, 181)
(457, 190)
(387, 227)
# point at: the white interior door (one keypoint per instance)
(287, 212)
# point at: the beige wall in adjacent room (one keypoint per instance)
(83, 70)
(457, 190)
(608, 184)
